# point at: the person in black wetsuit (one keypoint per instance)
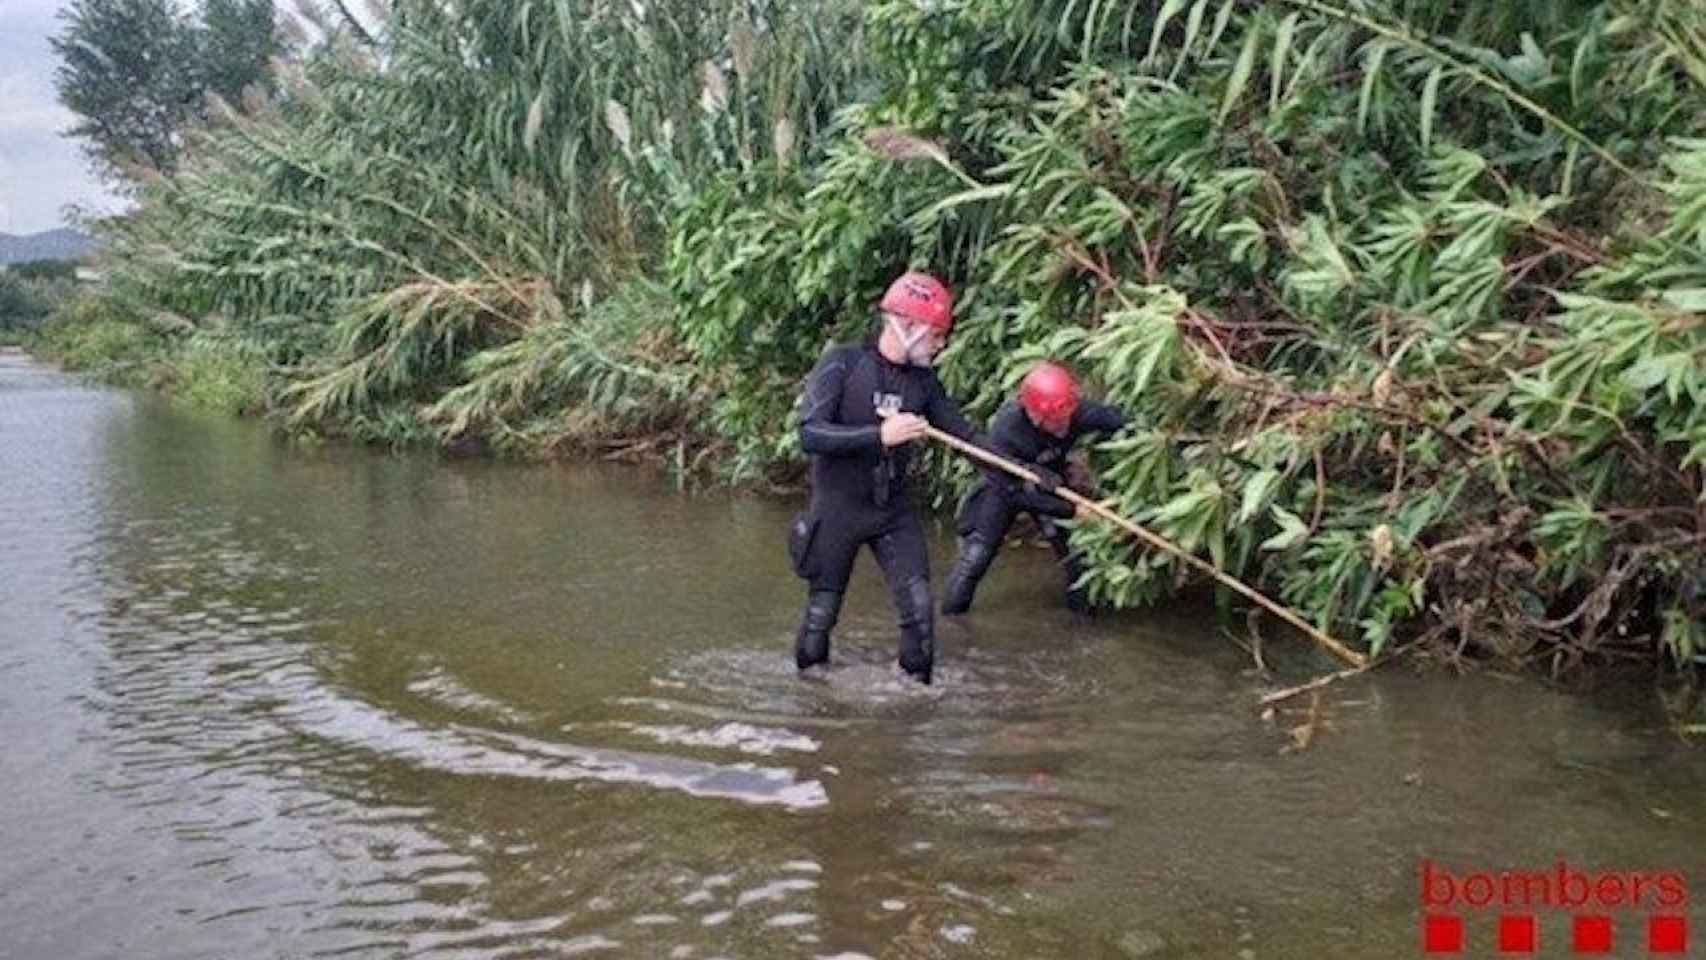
(861, 408)
(1038, 430)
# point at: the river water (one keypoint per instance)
(262, 700)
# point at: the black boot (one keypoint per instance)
(811, 644)
(976, 554)
(917, 629)
(1077, 598)
(1078, 601)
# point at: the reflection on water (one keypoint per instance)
(263, 701)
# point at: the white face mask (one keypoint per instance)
(915, 340)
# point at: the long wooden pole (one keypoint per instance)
(1155, 540)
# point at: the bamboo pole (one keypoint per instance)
(1315, 684)
(1155, 540)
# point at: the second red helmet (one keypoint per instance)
(920, 297)
(1049, 393)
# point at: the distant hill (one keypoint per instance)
(61, 244)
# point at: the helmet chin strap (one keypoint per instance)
(912, 341)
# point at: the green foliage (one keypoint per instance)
(608, 370)
(127, 70)
(136, 72)
(88, 335)
(221, 373)
(29, 292)
(62, 270)
(1404, 299)
(401, 232)
(236, 41)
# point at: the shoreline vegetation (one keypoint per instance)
(1407, 300)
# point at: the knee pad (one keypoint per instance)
(917, 630)
(915, 606)
(1077, 598)
(811, 644)
(823, 608)
(976, 554)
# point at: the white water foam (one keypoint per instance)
(477, 752)
(774, 891)
(958, 933)
(439, 686)
(745, 737)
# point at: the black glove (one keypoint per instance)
(1047, 480)
(1078, 476)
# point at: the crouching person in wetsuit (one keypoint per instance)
(1039, 431)
(861, 408)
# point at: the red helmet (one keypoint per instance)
(1049, 393)
(921, 297)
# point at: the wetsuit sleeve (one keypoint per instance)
(1004, 432)
(819, 433)
(1036, 501)
(1098, 418)
(944, 414)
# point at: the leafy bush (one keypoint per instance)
(1405, 299)
(88, 335)
(222, 373)
(29, 292)
(1404, 302)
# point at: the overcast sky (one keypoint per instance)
(40, 171)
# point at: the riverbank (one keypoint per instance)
(1279, 656)
(1405, 308)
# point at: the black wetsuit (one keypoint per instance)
(998, 500)
(859, 495)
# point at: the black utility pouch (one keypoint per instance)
(882, 481)
(801, 531)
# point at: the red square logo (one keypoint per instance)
(1442, 933)
(1667, 934)
(1592, 934)
(1516, 933)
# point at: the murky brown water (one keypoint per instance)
(259, 701)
